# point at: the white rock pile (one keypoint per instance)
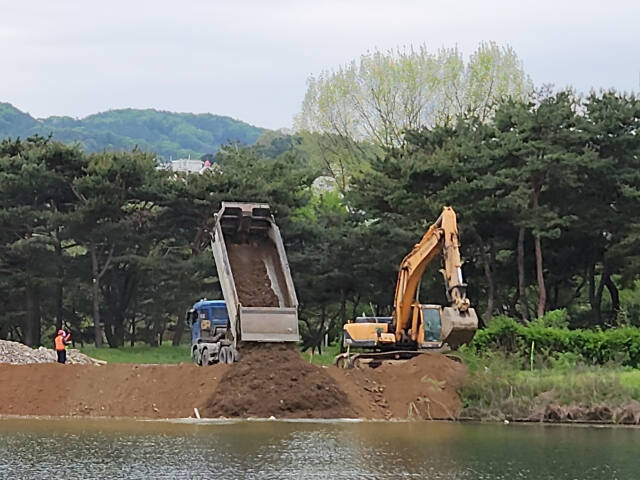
(20, 354)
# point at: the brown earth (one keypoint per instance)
(425, 387)
(113, 390)
(273, 379)
(250, 273)
(268, 381)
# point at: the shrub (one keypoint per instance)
(620, 346)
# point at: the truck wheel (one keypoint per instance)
(227, 355)
(222, 355)
(195, 358)
(204, 358)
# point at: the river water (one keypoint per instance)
(115, 449)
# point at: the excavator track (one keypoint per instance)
(375, 359)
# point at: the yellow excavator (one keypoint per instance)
(415, 328)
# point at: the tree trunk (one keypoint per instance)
(522, 287)
(542, 291)
(487, 266)
(596, 306)
(556, 296)
(615, 297)
(133, 325)
(592, 284)
(157, 331)
(108, 328)
(95, 279)
(177, 334)
(59, 285)
(97, 274)
(542, 298)
(118, 330)
(32, 321)
(491, 287)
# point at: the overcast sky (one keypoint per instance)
(250, 59)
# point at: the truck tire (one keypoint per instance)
(222, 355)
(195, 356)
(226, 355)
(204, 358)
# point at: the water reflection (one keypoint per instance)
(81, 449)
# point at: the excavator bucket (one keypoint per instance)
(458, 328)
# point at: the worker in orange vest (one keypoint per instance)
(61, 341)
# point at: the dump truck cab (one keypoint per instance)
(210, 343)
(207, 317)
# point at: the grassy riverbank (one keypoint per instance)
(498, 388)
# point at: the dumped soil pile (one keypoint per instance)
(112, 390)
(20, 354)
(274, 380)
(425, 387)
(250, 273)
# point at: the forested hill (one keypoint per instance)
(165, 133)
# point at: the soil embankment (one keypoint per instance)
(112, 390)
(269, 381)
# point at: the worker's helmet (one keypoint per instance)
(60, 332)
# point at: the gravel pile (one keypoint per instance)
(19, 354)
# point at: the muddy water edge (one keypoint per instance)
(93, 448)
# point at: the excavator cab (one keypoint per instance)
(431, 327)
(446, 325)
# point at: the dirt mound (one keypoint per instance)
(425, 387)
(20, 354)
(250, 274)
(120, 390)
(274, 380)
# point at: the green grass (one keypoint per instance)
(326, 358)
(498, 387)
(140, 353)
(167, 353)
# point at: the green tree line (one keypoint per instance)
(546, 191)
(166, 134)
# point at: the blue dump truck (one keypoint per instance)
(210, 342)
(260, 303)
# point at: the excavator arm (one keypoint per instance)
(442, 236)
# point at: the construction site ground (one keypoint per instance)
(270, 380)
